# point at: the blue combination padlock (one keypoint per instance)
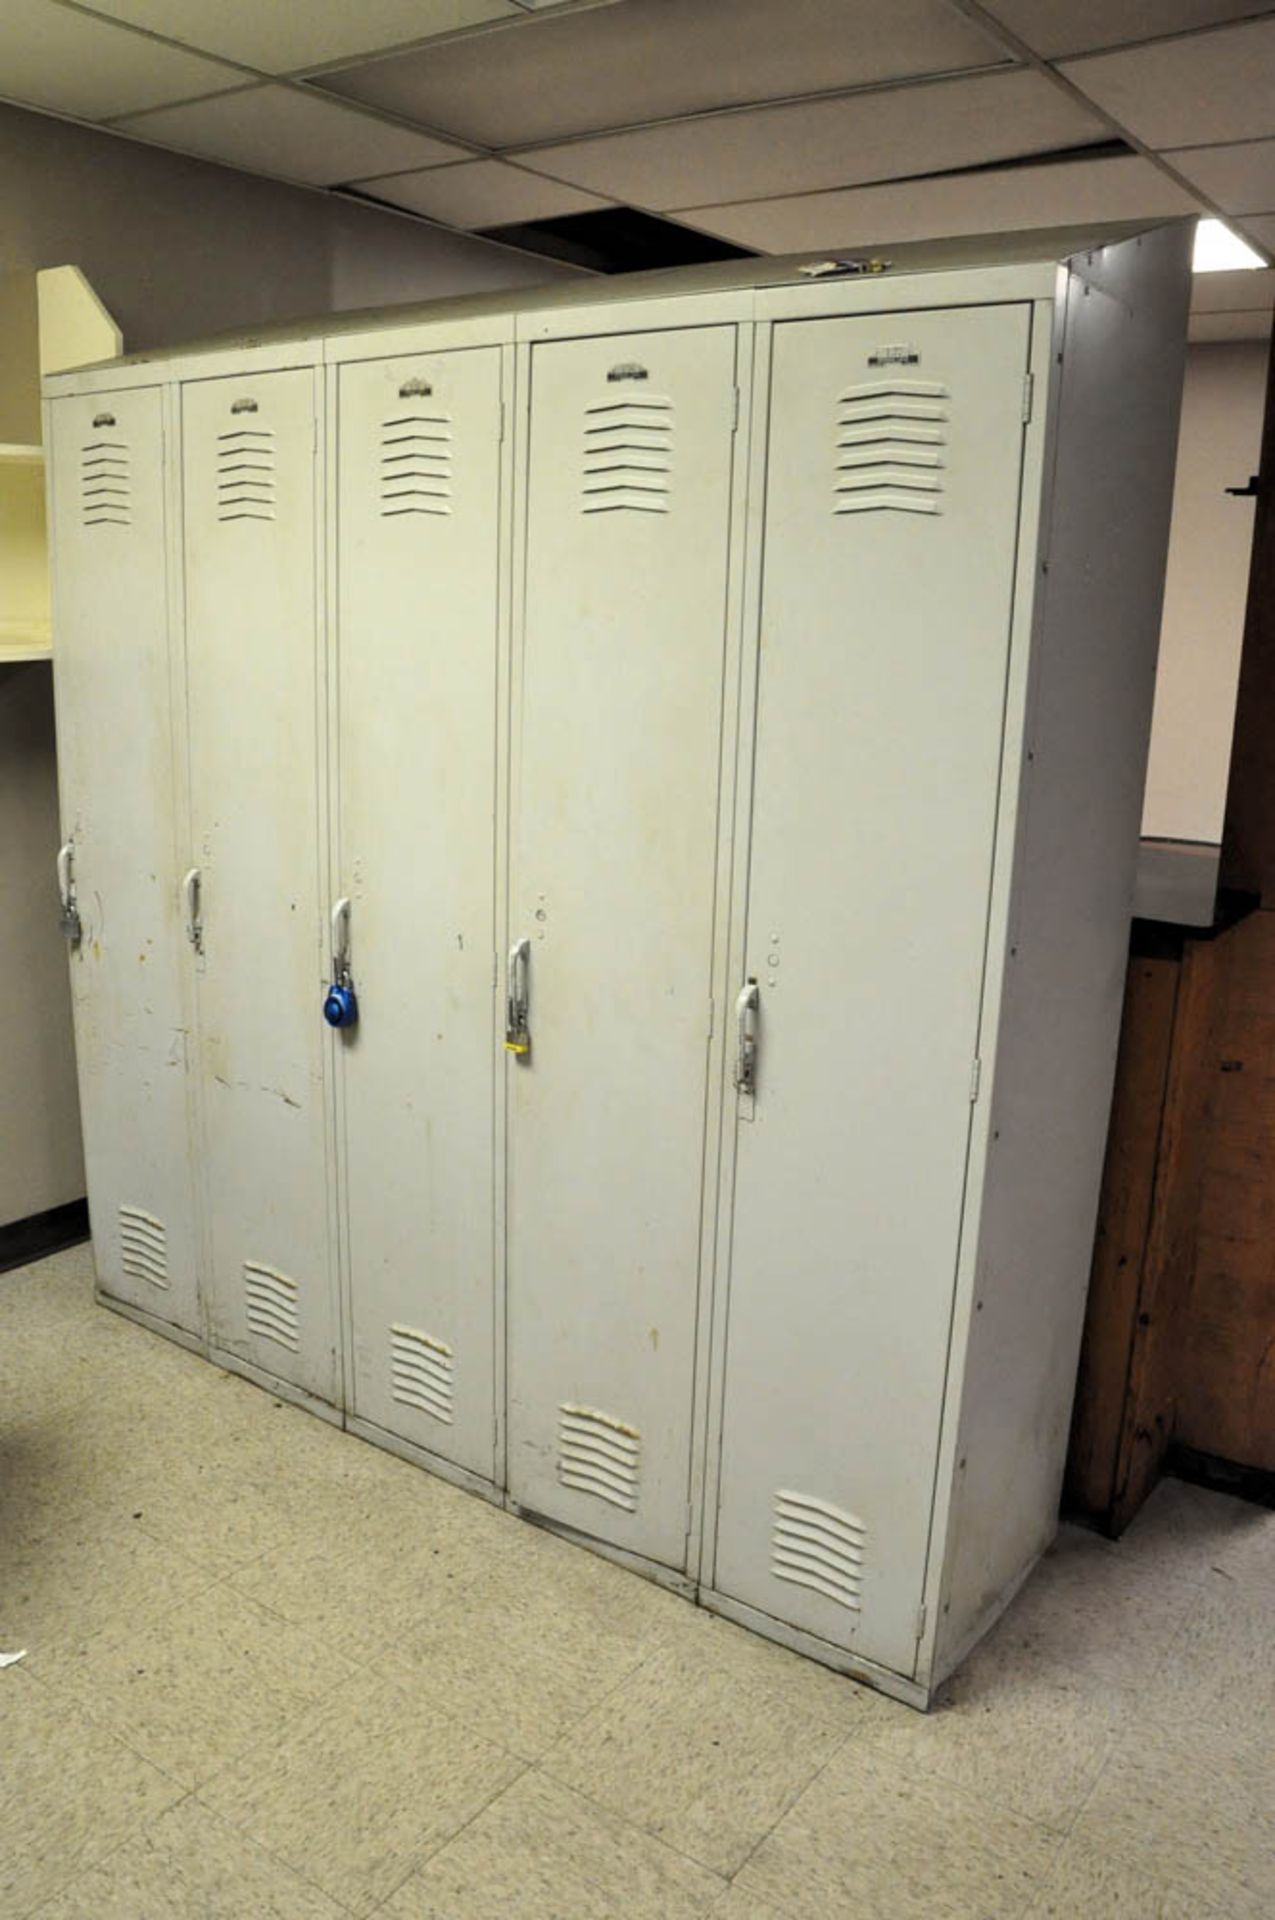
(341, 1005)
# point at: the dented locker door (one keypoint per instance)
(116, 693)
(895, 450)
(614, 827)
(419, 521)
(252, 650)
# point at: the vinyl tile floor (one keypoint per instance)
(272, 1673)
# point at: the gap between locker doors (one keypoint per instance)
(650, 320)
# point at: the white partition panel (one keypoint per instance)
(418, 524)
(251, 586)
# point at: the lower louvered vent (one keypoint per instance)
(143, 1247)
(272, 1304)
(599, 1454)
(891, 447)
(422, 1372)
(106, 484)
(246, 474)
(628, 455)
(416, 463)
(819, 1546)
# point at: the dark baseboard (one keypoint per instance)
(26, 1240)
(1222, 1476)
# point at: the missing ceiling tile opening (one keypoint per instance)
(616, 240)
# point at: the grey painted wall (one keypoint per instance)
(178, 248)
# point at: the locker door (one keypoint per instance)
(419, 493)
(129, 973)
(614, 831)
(251, 627)
(892, 510)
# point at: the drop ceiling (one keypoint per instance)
(815, 124)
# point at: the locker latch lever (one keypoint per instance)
(69, 917)
(746, 1053)
(517, 1000)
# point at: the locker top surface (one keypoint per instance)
(1043, 249)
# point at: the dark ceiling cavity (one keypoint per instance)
(616, 240)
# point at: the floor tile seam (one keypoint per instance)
(102, 1859)
(977, 1801)
(431, 1853)
(238, 1827)
(104, 1722)
(586, 1799)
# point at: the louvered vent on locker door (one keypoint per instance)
(246, 473)
(891, 441)
(416, 462)
(817, 1545)
(628, 456)
(143, 1247)
(599, 1454)
(272, 1305)
(422, 1372)
(106, 484)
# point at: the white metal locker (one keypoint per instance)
(419, 497)
(251, 586)
(121, 815)
(892, 483)
(614, 802)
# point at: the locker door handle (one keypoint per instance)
(191, 889)
(518, 1000)
(70, 914)
(746, 1006)
(341, 938)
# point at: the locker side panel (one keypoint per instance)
(892, 493)
(120, 812)
(251, 586)
(1095, 635)
(419, 518)
(614, 797)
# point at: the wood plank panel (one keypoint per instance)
(1227, 1385)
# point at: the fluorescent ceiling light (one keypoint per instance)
(1218, 250)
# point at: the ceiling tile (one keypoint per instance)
(825, 143)
(1244, 290)
(655, 59)
(1241, 179)
(293, 135)
(1058, 27)
(481, 193)
(1002, 201)
(1187, 92)
(1229, 326)
(1261, 230)
(73, 63)
(285, 36)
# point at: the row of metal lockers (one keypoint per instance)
(618, 736)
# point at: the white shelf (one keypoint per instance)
(25, 641)
(12, 454)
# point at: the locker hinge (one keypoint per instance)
(734, 410)
(976, 1078)
(1029, 389)
(922, 1615)
(712, 1016)
(501, 434)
